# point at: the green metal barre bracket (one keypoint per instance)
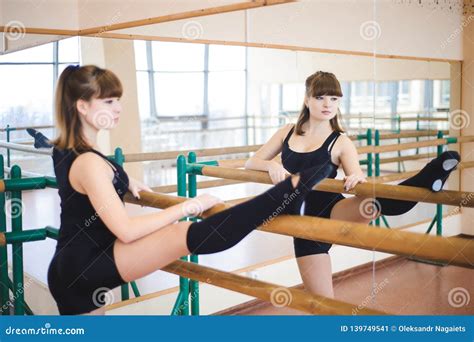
(181, 306)
(135, 289)
(450, 140)
(52, 233)
(26, 307)
(17, 248)
(51, 182)
(192, 192)
(119, 159)
(430, 227)
(4, 278)
(194, 168)
(21, 184)
(25, 236)
(377, 165)
(384, 219)
(31, 235)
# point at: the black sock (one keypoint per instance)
(226, 228)
(432, 177)
(40, 140)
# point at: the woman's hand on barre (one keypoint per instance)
(277, 172)
(197, 205)
(136, 186)
(352, 180)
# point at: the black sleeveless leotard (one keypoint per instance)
(83, 266)
(317, 203)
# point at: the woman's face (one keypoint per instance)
(101, 113)
(323, 107)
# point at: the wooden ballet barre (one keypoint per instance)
(169, 155)
(200, 185)
(406, 158)
(149, 156)
(466, 165)
(400, 192)
(423, 119)
(294, 298)
(392, 177)
(233, 163)
(410, 134)
(451, 250)
(412, 145)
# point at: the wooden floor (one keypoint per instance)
(397, 286)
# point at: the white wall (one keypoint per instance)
(387, 28)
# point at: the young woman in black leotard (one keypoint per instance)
(318, 139)
(100, 246)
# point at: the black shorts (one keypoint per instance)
(318, 204)
(79, 278)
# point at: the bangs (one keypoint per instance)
(326, 85)
(107, 85)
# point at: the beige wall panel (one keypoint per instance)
(60, 14)
(224, 27)
(106, 12)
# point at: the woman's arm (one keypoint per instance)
(349, 159)
(91, 176)
(262, 159)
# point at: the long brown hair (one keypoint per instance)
(80, 83)
(320, 84)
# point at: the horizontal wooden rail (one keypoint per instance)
(452, 250)
(168, 155)
(149, 156)
(275, 294)
(406, 158)
(456, 198)
(412, 145)
(200, 185)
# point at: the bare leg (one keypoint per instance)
(141, 257)
(316, 270)
(353, 209)
(152, 252)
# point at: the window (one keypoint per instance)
(28, 80)
(188, 88)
